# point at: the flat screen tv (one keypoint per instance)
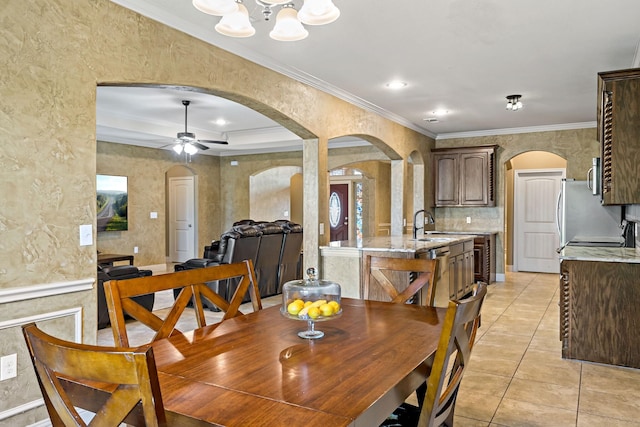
(112, 200)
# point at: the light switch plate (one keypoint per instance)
(86, 235)
(8, 366)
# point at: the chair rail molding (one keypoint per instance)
(45, 290)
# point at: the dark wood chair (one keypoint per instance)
(389, 279)
(192, 285)
(437, 403)
(116, 384)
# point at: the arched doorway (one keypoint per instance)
(276, 193)
(531, 202)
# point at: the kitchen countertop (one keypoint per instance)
(603, 254)
(404, 243)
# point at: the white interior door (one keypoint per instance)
(535, 234)
(181, 219)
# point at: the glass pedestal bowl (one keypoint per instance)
(312, 301)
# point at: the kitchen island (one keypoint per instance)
(342, 261)
(599, 305)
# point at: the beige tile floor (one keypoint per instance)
(516, 377)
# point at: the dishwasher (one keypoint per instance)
(443, 291)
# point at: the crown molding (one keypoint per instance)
(511, 131)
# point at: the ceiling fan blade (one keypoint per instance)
(210, 141)
(200, 146)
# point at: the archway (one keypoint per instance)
(275, 193)
(529, 160)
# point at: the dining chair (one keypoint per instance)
(116, 384)
(385, 277)
(192, 285)
(437, 403)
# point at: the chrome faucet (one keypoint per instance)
(427, 215)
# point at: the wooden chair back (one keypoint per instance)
(452, 356)
(388, 279)
(192, 285)
(113, 383)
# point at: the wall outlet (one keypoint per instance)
(135, 249)
(468, 220)
(8, 367)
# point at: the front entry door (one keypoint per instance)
(181, 219)
(339, 212)
(535, 236)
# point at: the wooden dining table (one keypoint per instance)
(254, 370)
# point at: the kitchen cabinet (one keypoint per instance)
(464, 176)
(484, 257)
(460, 266)
(619, 136)
(599, 319)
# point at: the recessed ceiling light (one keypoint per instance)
(396, 84)
(440, 112)
(221, 122)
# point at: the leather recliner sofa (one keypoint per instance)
(119, 272)
(275, 254)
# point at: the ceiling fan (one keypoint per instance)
(187, 142)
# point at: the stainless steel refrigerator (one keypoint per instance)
(583, 221)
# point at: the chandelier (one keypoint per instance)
(514, 103)
(235, 21)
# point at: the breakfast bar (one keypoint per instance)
(342, 261)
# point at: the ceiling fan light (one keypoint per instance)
(236, 24)
(190, 149)
(216, 7)
(318, 12)
(288, 28)
(178, 148)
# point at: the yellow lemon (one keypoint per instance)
(314, 312)
(335, 305)
(326, 310)
(295, 307)
(307, 303)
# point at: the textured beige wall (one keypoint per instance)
(576, 146)
(147, 169)
(54, 53)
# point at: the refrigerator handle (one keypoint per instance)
(558, 214)
(590, 179)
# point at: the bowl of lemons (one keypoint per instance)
(311, 300)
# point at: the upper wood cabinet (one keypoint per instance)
(619, 136)
(464, 176)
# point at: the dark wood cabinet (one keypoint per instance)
(460, 269)
(599, 318)
(619, 136)
(464, 176)
(484, 256)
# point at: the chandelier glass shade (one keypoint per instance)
(236, 22)
(514, 103)
(318, 12)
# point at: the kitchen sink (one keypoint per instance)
(433, 239)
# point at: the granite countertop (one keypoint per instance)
(404, 243)
(603, 254)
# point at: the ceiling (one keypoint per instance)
(462, 56)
